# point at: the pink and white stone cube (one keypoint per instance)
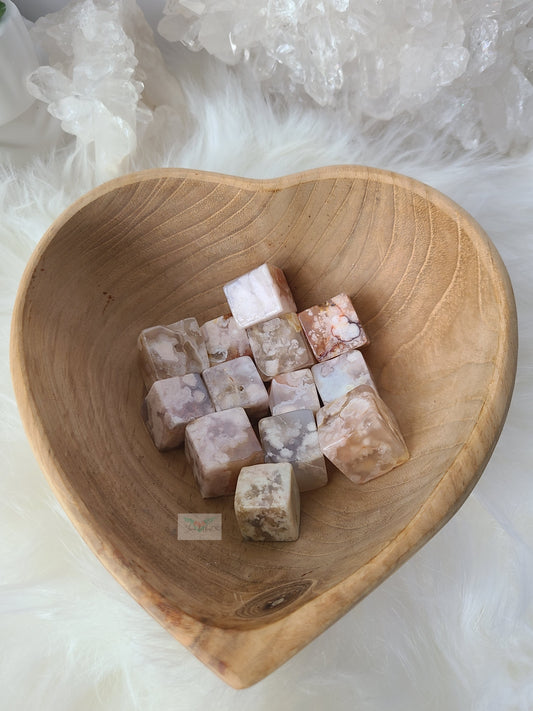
(236, 383)
(166, 351)
(259, 295)
(279, 346)
(217, 446)
(337, 376)
(225, 340)
(171, 404)
(292, 437)
(333, 327)
(293, 391)
(359, 434)
(267, 503)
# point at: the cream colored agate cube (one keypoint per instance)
(171, 404)
(337, 376)
(279, 346)
(293, 391)
(225, 339)
(237, 383)
(166, 351)
(359, 434)
(292, 437)
(267, 503)
(217, 446)
(259, 295)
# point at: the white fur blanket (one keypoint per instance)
(452, 629)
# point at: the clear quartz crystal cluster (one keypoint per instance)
(105, 79)
(461, 67)
(237, 415)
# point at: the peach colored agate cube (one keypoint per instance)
(279, 346)
(333, 327)
(166, 351)
(267, 503)
(171, 404)
(237, 383)
(292, 437)
(259, 295)
(337, 376)
(217, 446)
(359, 434)
(293, 391)
(225, 340)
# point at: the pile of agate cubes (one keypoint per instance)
(262, 395)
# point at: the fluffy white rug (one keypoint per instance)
(451, 630)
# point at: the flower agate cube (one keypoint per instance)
(333, 328)
(171, 404)
(292, 437)
(218, 446)
(267, 503)
(337, 376)
(360, 435)
(237, 383)
(259, 295)
(293, 391)
(225, 340)
(166, 351)
(279, 346)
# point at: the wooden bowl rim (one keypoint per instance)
(293, 631)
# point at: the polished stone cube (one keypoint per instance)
(359, 434)
(166, 351)
(217, 446)
(225, 340)
(292, 437)
(293, 391)
(237, 383)
(337, 376)
(267, 503)
(333, 327)
(279, 346)
(171, 404)
(259, 295)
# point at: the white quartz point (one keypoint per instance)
(217, 446)
(359, 434)
(292, 437)
(335, 377)
(267, 503)
(293, 391)
(237, 383)
(259, 295)
(171, 404)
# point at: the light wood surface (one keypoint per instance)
(154, 247)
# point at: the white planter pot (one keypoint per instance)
(17, 58)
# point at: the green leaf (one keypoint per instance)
(2, 9)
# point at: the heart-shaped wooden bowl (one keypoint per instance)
(157, 246)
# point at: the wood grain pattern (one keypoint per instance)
(157, 246)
